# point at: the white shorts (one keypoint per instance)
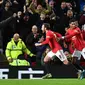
(58, 54)
(78, 53)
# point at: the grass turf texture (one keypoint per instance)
(42, 82)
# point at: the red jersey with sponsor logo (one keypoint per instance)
(51, 39)
(76, 37)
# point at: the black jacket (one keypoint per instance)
(3, 24)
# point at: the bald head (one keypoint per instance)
(16, 37)
(34, 29)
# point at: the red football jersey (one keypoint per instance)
(76, 38)
(51, 39)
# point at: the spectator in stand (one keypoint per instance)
(33, 38)
(20, 25)
(39, 8)
(82, 17)
(6, 12)
(52, 15)
(63, 9)
(41, 21)
(59, 19)
(69, 6)
(7, 33)
(3, 25)
(15, 52)
(15, 6)
(53, 9)
(29, 19)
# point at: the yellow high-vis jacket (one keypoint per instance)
(13, 50)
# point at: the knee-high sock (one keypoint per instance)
(46, 65)
(77, 65)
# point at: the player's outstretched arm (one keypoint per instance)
(38, 44)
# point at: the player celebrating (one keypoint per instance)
(52, 40)
(75, 35)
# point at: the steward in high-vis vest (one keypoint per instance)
(15, 49)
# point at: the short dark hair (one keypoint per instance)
(47, 25)
(72, 20)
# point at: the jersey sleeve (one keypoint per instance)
(58, 34)
(48, 37)
(73, 34)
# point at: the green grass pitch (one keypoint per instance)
(42, 82)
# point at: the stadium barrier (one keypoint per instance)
(37, 72)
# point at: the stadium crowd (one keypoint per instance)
(26, 18)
